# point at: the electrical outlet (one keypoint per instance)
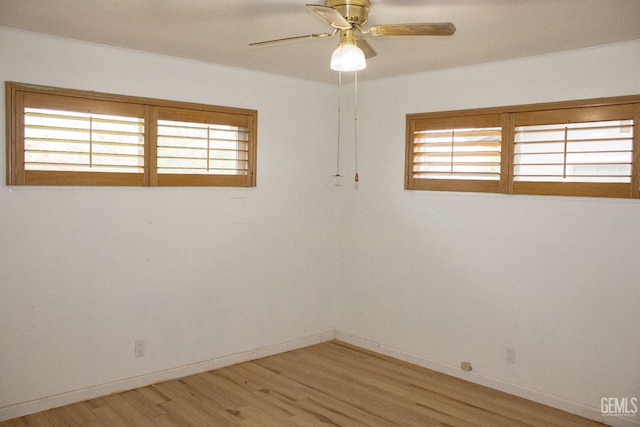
(465, 366)
(139, 348)
(510, 355)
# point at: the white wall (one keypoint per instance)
(201, 274)
(198, 273)
(446, 277)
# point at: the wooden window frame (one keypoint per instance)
(624, 107)
(450, 122)
(19, 96)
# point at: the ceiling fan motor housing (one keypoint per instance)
(354, 11)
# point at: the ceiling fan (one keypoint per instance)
(348, 18)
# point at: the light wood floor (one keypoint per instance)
(330, 384)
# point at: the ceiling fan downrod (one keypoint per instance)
(356, 12)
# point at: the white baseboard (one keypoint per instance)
(37, 405)
(494, 383)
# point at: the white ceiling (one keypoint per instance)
(219, 31)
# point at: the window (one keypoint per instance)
(579, 148)
(67, 137)
(471, 153)
(579, 152)
(457, 153)
(62, 140)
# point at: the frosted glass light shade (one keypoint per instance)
(348, 57)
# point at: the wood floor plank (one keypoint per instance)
(206, 386)
(105, 413)
(81, 413)
(238, 385)
(541, 415)
(512, 408)
(341, 415)
(183, 401)
(178, 414)
(15, 422)
(309, 399)
(265, 379)
(58, 416)
(329, 384)
(145, 405)
(133, 414)
(266, 417)
(355, 372)
(393, 409)
(37, 420)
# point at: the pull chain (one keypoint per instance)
(339, 115)
(355, 123)
(355, 95)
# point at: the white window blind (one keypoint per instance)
(201, 148)
(57, 140)
(469, 153)
(599, 151)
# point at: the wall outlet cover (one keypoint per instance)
(139, 348)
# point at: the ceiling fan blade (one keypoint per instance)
(287, 39)
(329, 15)
(434, 29)
(366, 48)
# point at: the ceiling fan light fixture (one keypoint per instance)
(348, 57)
(348, 18)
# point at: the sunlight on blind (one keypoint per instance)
(457, 154)
(200, 148)
(574, 152)
(82, 142)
